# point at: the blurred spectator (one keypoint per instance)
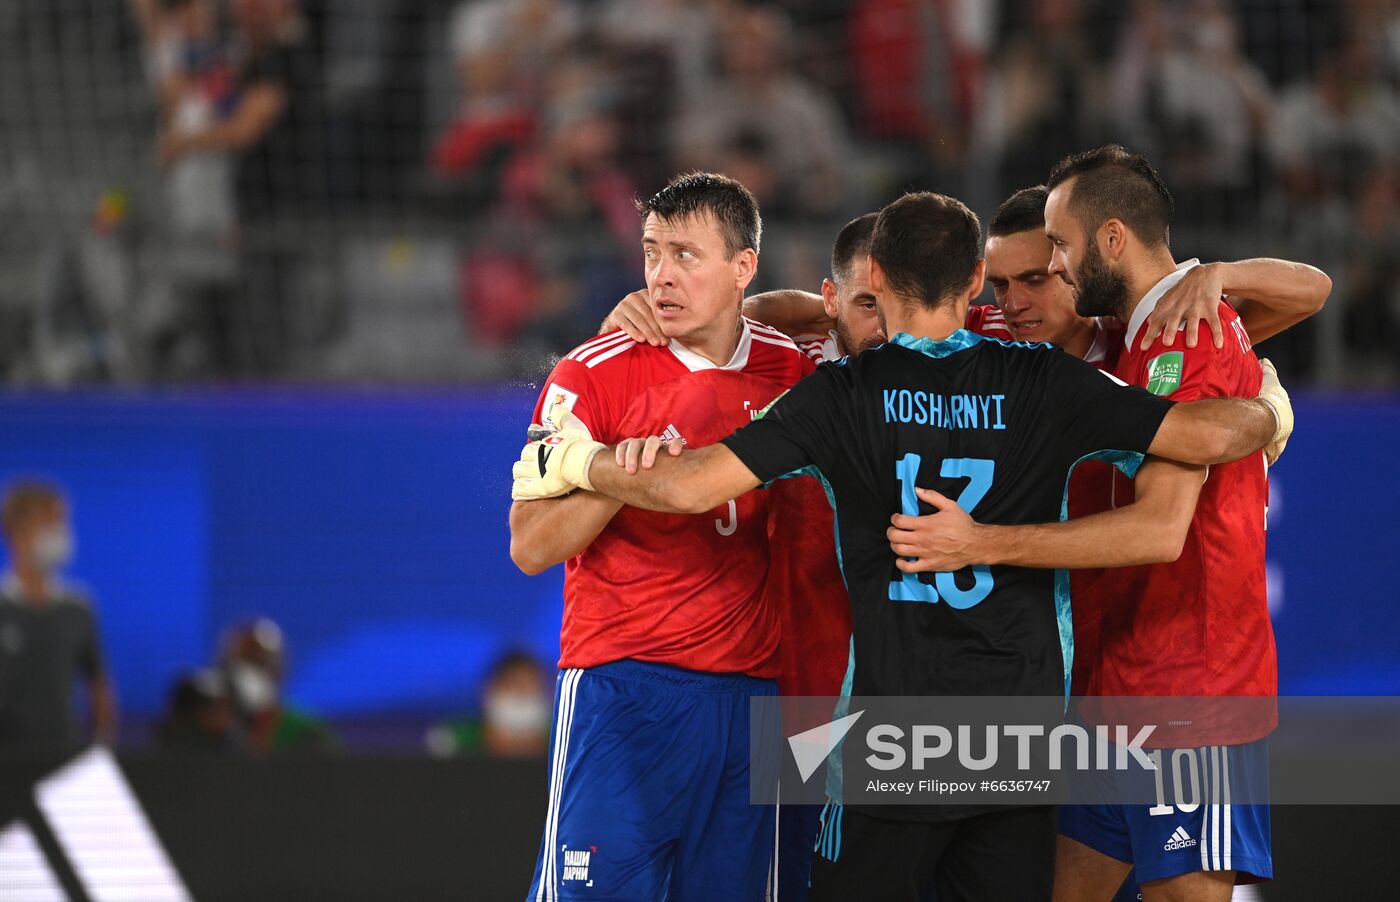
(48, 634)
(1186, 95)
(198, 715)
(1335, 144)
(1044, 95)
(1337, 139)
(253, 662)
(502, 50)
(515, 714)
(680, 32)
(197, 89)
(918, 66)
(801, 128)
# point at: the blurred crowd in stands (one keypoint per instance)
(441, 190)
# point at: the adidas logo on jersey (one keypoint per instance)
(1180, 840)
(672, 433)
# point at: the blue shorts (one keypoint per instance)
(649, 788)
(1206, 832)
(798, 826)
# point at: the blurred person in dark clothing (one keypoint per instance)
(48, 635)
(273, 125)
(198, 715)
(1045, 95)
(252, 661)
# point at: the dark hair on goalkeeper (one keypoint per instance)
(1021, 212)
(852, 241)
(1112, 182)
(928, 246)
(733, 206)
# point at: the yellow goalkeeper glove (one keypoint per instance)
(1273, 394)
(556, 464)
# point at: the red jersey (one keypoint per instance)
(1091, 491)
(670, 588)
(988, 320)
(1199, 626)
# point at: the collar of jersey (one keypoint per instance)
(695, 363)
(1149, 301)
(960, 340)
(11, 591)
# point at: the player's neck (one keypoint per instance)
(919, 321)
(716, 343)
(1082, 339)
(1142, 279)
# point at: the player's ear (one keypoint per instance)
(1113, 239)
(829, 298)
(979, 280)
(745, 268)
(877, 278)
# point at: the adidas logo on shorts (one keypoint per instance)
(671, 434)
(1180, 840)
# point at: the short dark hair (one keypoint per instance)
(24, 498)
(1021, 212)
(1115, 183)
(852, 241)
(928, 246)
(734, 207)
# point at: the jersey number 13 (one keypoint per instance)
(978, 472)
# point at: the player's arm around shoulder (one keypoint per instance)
(1151, 530)
(1269, 296)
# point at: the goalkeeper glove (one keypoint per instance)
(556, 464)
(1273, 394)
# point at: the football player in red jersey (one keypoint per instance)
(1198, 626)
(667, 632)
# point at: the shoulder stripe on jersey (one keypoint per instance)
(609, 354)
(768, 330)
(785, 343)
(599, 344)
(591, 343)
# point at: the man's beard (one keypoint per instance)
(1099, 290)
(844, 339)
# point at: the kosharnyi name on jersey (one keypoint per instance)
(903, 405)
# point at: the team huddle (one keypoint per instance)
(1062, 493)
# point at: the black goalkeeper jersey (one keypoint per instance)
(995, 426)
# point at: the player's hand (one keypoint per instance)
(635, 316)
(633, 453)
(1195, 298)
(1273, 393)
(940, 542)
(556, 464)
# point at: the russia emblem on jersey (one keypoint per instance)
(558, 397)
(1164, 373)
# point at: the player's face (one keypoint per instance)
(1099, 289)
(694, 289)
(852, 304)
(1038, 306)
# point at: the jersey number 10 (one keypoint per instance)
(978, 472)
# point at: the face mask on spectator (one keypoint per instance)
(254, 687)
(53, 548)
(517, 714)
